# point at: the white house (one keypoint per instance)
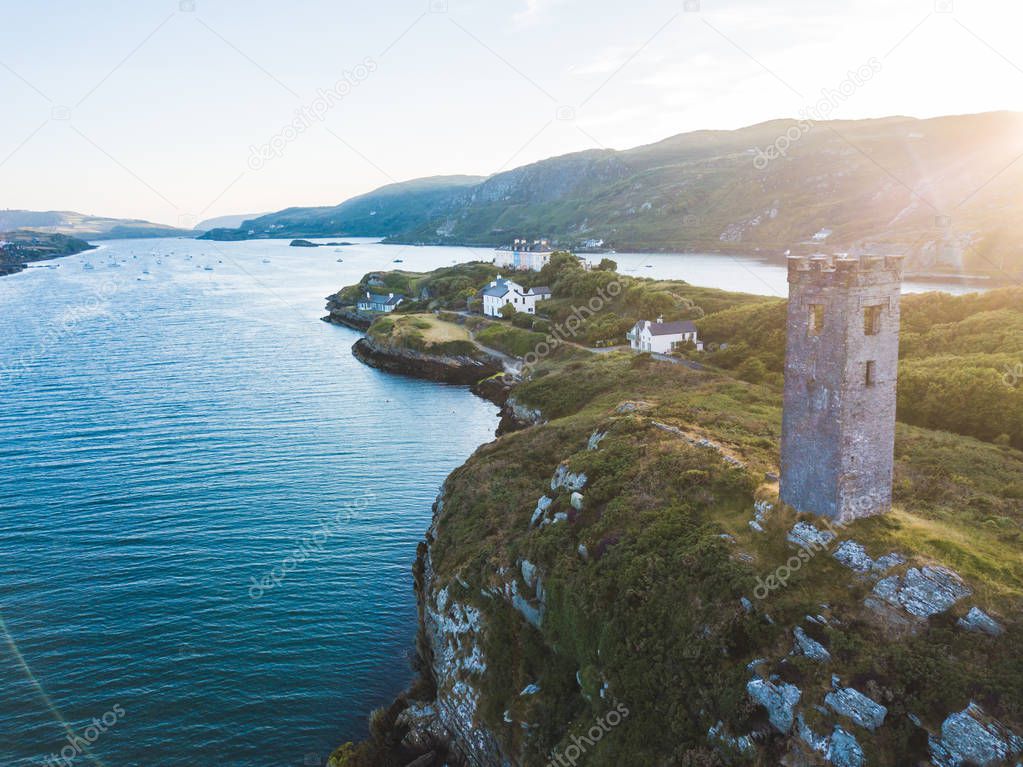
(662, 337)
(374, 302)
(524, 256)
(503, 291)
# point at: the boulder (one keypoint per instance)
(779, 699)
(856, 706)
(844, 750)
(980, 621)
(577, 501)
(541, 508)
(567, 479)
(810, 647)
(595, 440)
(528, 573)
(855, 557)
(925, 592)
(970, 737)
(807, 536)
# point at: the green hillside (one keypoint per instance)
(87, 227)
(945, 191)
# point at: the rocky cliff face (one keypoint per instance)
(448, 369)
(450, 644)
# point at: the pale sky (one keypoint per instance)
(150, 108)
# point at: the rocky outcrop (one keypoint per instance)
(970, 737)
(451, 655)
(924, 592)
(779, 699)
(340, 314)
(856, 706)
(447, 369)
(979, 621)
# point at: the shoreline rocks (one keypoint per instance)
(445, 369)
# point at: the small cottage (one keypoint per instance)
(662, 337)
(503, 291)
(375, 302)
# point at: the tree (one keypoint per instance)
(607, 265)
(508, 311)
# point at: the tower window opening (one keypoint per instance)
(871, 374)
(872, 320)
(816, 319)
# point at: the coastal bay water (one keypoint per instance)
(167, 435)
(176, 428)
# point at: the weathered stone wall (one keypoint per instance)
(838, 436)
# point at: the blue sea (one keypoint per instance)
(209, 509)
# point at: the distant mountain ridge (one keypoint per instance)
(388, 210)
(226, 222)
(945, 191)
(86, 227)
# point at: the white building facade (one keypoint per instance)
(663, 337)
(524, 256)
(503, 291)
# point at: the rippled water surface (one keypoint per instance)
(166, 438)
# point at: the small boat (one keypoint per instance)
(398, 261)
(649, 266)
(266, 260)
(208, 268)
(340, 260)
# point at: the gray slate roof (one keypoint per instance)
(376, 298)
(671, 328)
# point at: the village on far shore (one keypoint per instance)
(503, 298)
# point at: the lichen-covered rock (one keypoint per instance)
(856, 706)
(980, 621)
(542, 505)
(570, 481)
(595, 439)
(970, 737)
(779, 699)
(810, 647)
(528, 573)
(925, 592)
(844, 750)
(818, 743)
(807, 536)
(855, 557)
(577, 501)
(525, 607)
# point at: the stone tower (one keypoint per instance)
(841, 368)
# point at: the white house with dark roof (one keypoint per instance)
(662, 337)
(503, 291)
(376, 302)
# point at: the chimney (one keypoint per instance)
(660, 320)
